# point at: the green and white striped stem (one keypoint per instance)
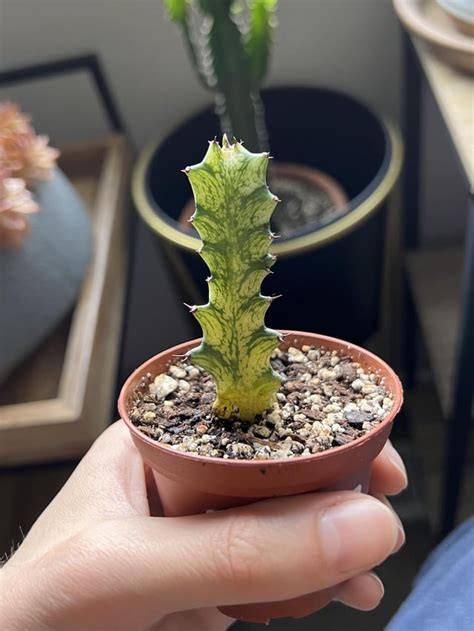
(233, 210)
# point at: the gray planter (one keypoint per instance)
(40, 281)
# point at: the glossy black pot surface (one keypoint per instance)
(330, 278)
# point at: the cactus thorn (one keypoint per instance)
(225, 142)
(272, 298)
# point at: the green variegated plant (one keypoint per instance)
(233, 210)
(229, 43)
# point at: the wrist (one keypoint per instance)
(12, 605)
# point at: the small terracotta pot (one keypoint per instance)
(190, 484)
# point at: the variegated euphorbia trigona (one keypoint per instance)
(233, 210)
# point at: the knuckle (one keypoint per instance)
(240, 551)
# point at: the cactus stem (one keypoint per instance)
(233, 209)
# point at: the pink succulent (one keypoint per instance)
(39, 159)
(24, 159)
(13, 121)
(16, 201)
(15, 197)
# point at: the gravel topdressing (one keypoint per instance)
(325, 400)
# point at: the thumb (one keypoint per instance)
(126, 574)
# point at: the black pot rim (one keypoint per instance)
(360, 209)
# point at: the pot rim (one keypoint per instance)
(361, 206)
(418, 23)
(277, 462)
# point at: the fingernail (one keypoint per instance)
(401, 534)
(357, 534)
(401, 531)
(377, 586)
(397, 462)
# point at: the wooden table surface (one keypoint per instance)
(454, 93)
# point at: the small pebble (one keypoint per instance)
(326, 375)
(163, 385)
(274, 416)
(193, 372)
(239, 450)
(296, 356)
(184, 386)
(177, 372)
(261, 430)
(300, 417)
(333, 417)
(368, 388)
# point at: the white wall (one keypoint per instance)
(352, 45)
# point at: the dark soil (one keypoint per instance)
(302, 204)
(326, 400)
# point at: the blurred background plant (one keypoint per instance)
(229, 44)
(25, 158)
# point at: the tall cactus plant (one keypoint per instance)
(230, 55)
(233, 210)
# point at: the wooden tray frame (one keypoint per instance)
(83, 361)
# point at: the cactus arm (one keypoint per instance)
(260, 37)
(178, 12)
(232, 72)
(233, 210)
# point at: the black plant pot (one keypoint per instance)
(329, 278)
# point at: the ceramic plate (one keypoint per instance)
(462, 14)
(463, 9)
(428, 21)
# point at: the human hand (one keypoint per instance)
(96, 560)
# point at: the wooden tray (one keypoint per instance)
(58, 401)
(430, 23)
